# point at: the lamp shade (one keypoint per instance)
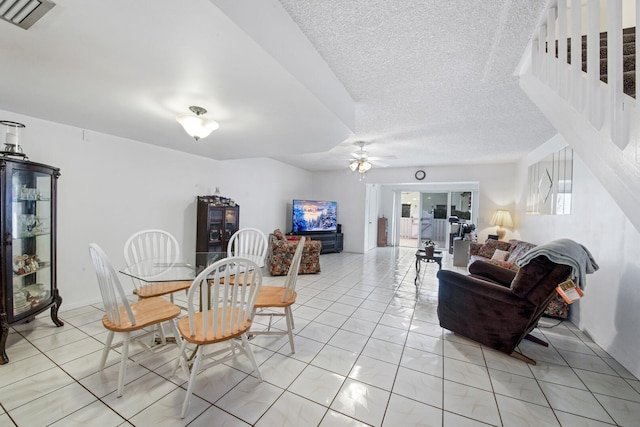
(196, 125)
(502, 218)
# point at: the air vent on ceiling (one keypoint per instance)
(24, 13)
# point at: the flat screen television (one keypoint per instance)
(311, 216)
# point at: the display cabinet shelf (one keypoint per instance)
(42, 266)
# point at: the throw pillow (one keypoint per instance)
(500, 255)
(278, 234)
(490, 247)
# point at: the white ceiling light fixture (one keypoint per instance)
(195, 124)
(361, 164)
(24, 13)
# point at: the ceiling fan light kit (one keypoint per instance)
(195, 124)
(361, 163)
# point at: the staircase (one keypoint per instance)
(628, 58)
(593, 106)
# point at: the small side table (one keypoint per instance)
(421, 256)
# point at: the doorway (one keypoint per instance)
(410, 219)
(433, 219)
(425, 216)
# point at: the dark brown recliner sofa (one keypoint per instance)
(498, 307)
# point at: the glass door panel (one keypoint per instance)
(433, 218)
(231, 222)
(31, 244)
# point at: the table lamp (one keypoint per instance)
(501, 218)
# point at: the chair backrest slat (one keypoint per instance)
(292, 274)
(249, 243)
(110, 287)
(228, 289)
(153, 244)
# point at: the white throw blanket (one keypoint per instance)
(566, 252)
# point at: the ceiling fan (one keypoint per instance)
(361, 162)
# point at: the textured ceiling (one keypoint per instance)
(433, 80)
(428, 82)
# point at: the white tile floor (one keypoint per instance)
(369, 351)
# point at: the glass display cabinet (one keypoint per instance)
(28, 254)
(217, 220)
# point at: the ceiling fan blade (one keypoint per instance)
(378, 163)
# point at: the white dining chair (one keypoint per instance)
(249, 243)
(220, 307)
(272, 299)
(128, 319)
(157, 245)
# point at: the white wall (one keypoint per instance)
(609, 310)
(495, 182)
(111, 187)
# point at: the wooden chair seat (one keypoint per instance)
(158, 289)
(220, 309)
(130, 319)
(280, 297)
(147, 312)
(199, 338)
(273, 296)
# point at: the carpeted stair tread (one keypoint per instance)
(628, 64)
(628, 60)
(629, 82)
(627, 49)
(626, 38)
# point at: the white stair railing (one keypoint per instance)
(605, 105)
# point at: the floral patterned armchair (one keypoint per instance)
(282, 249)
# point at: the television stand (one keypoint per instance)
(331, 242)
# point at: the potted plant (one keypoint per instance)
(429, 247)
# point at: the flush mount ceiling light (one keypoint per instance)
(24, 13)
(195, 124)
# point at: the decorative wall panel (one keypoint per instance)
(550, 184)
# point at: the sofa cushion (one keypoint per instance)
(278, 234)
(504, 264)
(517, 248)
(490, 246)
(500, 255)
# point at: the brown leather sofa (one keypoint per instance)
(483, 252)
(498, 307)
